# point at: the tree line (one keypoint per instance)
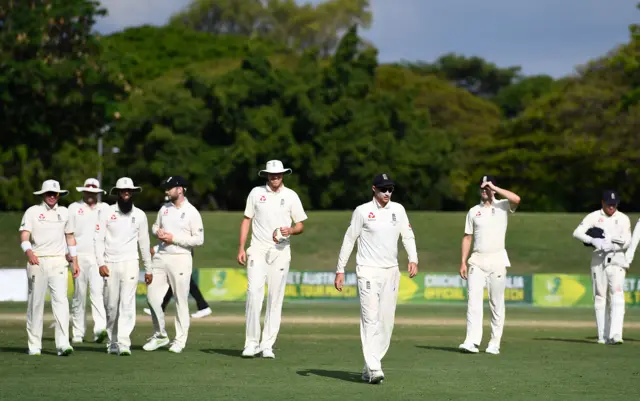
(228, 84)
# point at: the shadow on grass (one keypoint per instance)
(333, 374)
(237, 353)
(587, 340)
(24, 351)
(435, 348)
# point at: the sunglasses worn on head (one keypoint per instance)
(385, 189)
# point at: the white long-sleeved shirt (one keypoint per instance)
(84, 218)
(117, 235)
(376, 230)
(184, 223)
(615, 227)
(48, 226)
(635, 239)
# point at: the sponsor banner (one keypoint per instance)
(562, 290)
(231, 285)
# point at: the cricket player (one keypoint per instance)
(376, 227)
(179, 227)
(46, 232)
(269, 211)
(121, 227)
(608, 265)
(486, 225)
(83, 215)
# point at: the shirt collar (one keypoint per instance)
(55, 207)
(603, 214)
(379, 206)
(272, 191)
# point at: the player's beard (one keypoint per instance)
(125, 205)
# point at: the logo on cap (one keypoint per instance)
(613, 196)
(484, 179)
(385, 176)
(169, 179)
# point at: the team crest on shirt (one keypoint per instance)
(97, 227)
(182, 215)
(281, 202)
(133, 220)
(263, 198)
(493, 211)
(81, 211)
(113, 217)
(166, 212)
(41, 217)
(371, 216)
(393, 219)
(59, 217)
(600, 220)
(478, 214)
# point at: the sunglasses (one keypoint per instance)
(385, 189)
(51, 194)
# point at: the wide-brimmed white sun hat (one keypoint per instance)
(51, 186)
(125, 183)
(274, 167)
(91, 185)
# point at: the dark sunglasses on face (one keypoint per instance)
(385, 189)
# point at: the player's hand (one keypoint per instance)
(242, 257)
(75, 269)
(286, 231)
(339, 283)
(159, 233)
(166, 237)
(104, 271)
(463, 271)
(412, 269)
(33, 259)
(488, 184)
(69, 258)
(148, 278)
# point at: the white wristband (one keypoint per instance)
(72, 251)
(25, 245)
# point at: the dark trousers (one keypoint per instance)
(195, 293)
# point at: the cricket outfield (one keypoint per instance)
(547, 354)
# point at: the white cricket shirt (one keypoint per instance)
(118, 237)
(84, 218)
(184, 223)
(376, 230)
(488, 225)
(270, 210)
(617, 225)
(48, 227)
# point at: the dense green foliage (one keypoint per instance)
(228, 85)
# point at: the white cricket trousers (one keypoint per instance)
(378, 293)
(120, 302)
(608, 300)
(89, 277)
(52, 272)
(494, 277)
(171, 270)
(270, 266)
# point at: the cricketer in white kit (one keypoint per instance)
(45, 234)
(376, 227)
(486, 225)
(269, 211)
(83, 214)
(121, 231)
(608, 265)
(179, 227)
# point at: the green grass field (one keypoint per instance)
(546, 355)
(536, 242)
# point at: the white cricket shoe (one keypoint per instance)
(601, 341)
(250, 352)
(376, 376)
(34, 352)
(267, 353)
(124, 352)
(175, 348)
(112, 349)
(492, 349)
(366, 374)
(147, 311)
(76, 340)
(155, 342)
(202, 313)
(616, 341)
(65, 352)
(468, 348)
